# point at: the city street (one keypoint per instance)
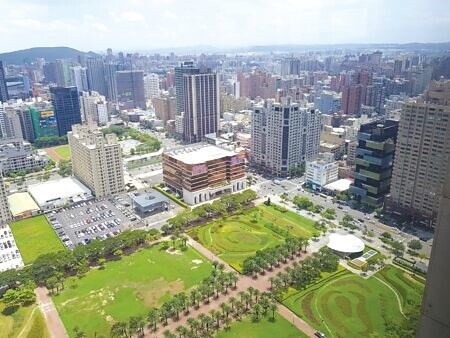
(265, 188)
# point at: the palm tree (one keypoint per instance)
(251, 291)
(271, 280)
(177, 307)
(232, 301)
(164, 314)
(257, 309)
(168, 334)
(202, 319)
(216, 315)
(193, 324)
(273, 308)
(241, 295)
(173, 238)
(256, 293)
(233, 278)
(181, 330)
(119, 329)
(152, 318)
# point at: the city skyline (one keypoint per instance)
(218, 24)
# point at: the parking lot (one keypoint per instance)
(95, 219)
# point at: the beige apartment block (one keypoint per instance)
(96, 160)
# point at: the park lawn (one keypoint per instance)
(347, 305)
(38, 327)
(128, 287)
(236, 237)
(12, 323)
(63, 151)
(298, 225)
(34, 237)
(265, 328)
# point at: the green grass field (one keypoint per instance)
(346, 305)
(265, 328)
(63, 151)
(239, 236)
(11, 324)
(34, 236)
(128, 287)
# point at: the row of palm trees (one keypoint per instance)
(217, 283)
(251, 302)
(268, 258)
(304, 273)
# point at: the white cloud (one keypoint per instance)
(146, 24)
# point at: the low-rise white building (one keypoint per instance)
(321, 171)
(53, 194)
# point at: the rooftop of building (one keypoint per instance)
(147, 199)
(21, 202)
(339, 185)
(55, 190)
(200, 153)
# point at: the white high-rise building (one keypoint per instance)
(93, 108)
(78, 78)
(96, 160)
(5, 214)
(151, 85)
(284, 135)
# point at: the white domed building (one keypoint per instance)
(345, 244)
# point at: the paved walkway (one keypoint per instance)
(261, 283)
(54, 323)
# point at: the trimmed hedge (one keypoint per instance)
(172, 197)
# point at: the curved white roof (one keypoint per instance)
(345, 243)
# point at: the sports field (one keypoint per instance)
(26, 319)
(346, 305)
(128, 287)
(265, 328)
(59, 153)
(237, 237)
(34, 236)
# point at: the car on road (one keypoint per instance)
(319, 334)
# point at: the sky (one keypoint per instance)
(151, 24)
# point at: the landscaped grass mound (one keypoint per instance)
(347, 305)
(265, 328)
(237, 237)
(34, 237)
(128, 287)
(12, 323)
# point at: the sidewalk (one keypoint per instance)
(54, 323)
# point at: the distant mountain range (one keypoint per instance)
(53, 53)
(48, 53)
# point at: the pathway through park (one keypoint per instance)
(54, 323)
(261, 283)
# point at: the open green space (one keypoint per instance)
(287, 220)
(63, 151)
(265, 328)
(12, 322)
(34, 237)
(346, 305)
(237, 237)
(128, 287)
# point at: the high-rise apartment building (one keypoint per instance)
(290, 66)
(374, 159)
(111, 81)
(422, 153)
(186, 67)
(130, 89)
(3, 89)
(62, 68)
(67, 108)
(284, 135)
(165, 107)
(201, 106)
(93, 108)
(435, 319)
(96, 75)
(96, 160)
(78, 78)
(5, 213)
(151, 83)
